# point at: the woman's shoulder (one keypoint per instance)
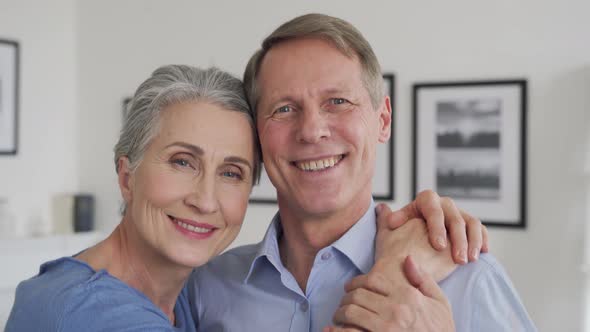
(68, 291)
(44, 298)
(63, 276)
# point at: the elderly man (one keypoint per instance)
(317, 90)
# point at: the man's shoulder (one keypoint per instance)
(484, 276)
(483, 298)
(474, 272)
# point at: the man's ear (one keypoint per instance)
(385, 120)
(125, 179)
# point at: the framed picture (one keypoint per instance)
(9, 83)
(124, 107)
(383, 182)
(470, 145)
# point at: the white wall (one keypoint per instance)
(117, 44)
(46, 161)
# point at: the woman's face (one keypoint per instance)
(188, 197)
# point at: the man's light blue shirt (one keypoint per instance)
(249, 289)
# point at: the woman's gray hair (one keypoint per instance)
(175, 84)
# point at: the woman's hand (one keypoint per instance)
(466, 233)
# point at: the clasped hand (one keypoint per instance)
(397, 295)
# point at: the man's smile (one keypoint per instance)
(318, 164)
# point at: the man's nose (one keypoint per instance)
(313, 126)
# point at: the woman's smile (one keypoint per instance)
(192, 228)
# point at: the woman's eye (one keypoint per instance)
(233, 175)
(181, 162)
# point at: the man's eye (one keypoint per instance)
(283, 109)
(338, 101)
(233, 175)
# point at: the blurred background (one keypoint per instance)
(80, 59)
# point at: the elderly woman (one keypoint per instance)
(186, 160)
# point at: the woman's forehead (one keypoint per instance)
(207, 124)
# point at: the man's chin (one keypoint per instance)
(320, 207)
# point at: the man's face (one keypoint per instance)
(318, 128)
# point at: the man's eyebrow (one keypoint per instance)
(294, 98)
(278, 98)
(336, 89)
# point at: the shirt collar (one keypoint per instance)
(357, 244)
(268, 248)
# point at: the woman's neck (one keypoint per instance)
(130, 259)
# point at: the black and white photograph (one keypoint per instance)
(468, 148)
(8, 97)
(383, 181)
(469, 144)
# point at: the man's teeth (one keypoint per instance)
(318, 165)
(192, 228)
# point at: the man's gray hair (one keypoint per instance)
(175, 84)
(343, 35)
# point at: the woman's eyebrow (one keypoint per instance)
(199, 152)
(194, 149)
(236, 159)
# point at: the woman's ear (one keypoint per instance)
(125, 179)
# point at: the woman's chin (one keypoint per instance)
(194, 253)
(193, 260)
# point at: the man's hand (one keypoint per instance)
(467, 235)
(373, 303)
(385, 300)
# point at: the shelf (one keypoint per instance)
(23, 256)
(65, 241)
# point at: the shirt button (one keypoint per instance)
(326, 256)
(304, 306)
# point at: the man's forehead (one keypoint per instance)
(305, 43)
(308, 60)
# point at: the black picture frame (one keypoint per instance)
(124, 107)
(469, 144)
(383, 181)
(9, 96)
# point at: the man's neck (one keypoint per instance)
(303, 236)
